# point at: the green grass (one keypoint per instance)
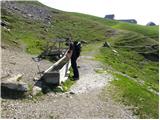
(132, 93)
(33, 35)
(150, 31)
(97, 19)
(132, 64)
(29, 34)
(65, 24)
(69, 82)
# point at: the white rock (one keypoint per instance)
(36, 90)
(114, 51)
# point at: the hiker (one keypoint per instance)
(74, 53)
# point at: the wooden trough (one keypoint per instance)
(58, 72)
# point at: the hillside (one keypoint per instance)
(29, 26)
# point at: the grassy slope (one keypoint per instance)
(144, 103)
(24, 32)
(151, 31)
(128, 40)
(33, 33)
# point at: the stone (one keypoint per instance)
(30, 15)
(84, 42)
(35, 79)
(36, 90)
(72, 93)
(16, 8)
(114, 51)
(14, 83)
(106, 44)
(4, 23)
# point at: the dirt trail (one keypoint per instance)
(89, 79)
(85, 103)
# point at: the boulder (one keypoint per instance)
(14, 83)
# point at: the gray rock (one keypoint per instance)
(106, 44)
(4, 23)
(14, 83)
(72, 93)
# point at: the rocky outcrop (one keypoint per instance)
(29, 11)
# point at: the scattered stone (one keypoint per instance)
(29, 11)
(8, 30)
(14, 7)
(4, 23)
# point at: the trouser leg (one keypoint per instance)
(75, 68)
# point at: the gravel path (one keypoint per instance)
(89, 79)
(85, 103)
